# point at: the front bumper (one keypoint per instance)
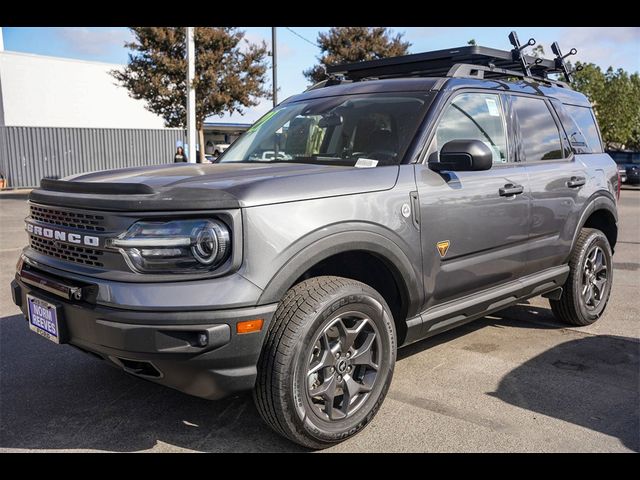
(163, 346)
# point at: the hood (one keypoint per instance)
(211, 186)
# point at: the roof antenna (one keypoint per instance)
(516, 53)
(560, 63)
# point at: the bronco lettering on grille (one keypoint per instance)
(63, 236)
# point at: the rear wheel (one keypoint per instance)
(327, 361)
(588, 287)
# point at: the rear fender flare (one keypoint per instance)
(598, 201)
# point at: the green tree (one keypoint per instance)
(634, 141)
(355, 44)
(472, 42)
(230, 73)
(537, 51)
(615, 96)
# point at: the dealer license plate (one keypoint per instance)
(43, 318)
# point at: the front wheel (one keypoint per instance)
(587, 289)
(327, 361)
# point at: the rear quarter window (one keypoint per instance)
(586, 124)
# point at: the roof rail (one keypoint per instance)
(465, 70)
(493, 63)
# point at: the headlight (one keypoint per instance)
(177, 246)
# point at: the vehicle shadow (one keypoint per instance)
(592, 381)
(56, 397)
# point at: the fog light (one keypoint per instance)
(203, 339)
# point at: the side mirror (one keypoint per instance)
(463, 156)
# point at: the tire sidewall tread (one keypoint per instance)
(570, 309)
(304, 308)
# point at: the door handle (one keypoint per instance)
(509, 190)
(576, 182)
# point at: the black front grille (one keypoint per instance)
(53, 216)
(70, 253)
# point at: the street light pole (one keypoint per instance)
(191, 96)
(274, 65)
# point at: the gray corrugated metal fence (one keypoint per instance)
(28, 154)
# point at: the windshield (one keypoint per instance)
(346, 130)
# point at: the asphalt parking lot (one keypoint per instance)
(517, 381)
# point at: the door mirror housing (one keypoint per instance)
(463, 156)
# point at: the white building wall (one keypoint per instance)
(58, 92)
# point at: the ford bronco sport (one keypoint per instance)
(405, 196)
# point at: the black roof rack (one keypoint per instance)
(469, 61)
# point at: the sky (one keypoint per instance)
(605, 46)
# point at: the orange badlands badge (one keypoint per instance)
(443, 247)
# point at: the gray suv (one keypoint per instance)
(405, 197)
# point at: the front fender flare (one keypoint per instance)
(388, 251)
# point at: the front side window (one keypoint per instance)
(338, 130)
(474, 116)
(538, 132)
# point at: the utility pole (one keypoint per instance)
(274, 65)
(191, 96)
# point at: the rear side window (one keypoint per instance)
(583, 117)
(539, 134)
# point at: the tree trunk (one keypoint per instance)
(201, 142)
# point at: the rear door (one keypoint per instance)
(473, 224)
(556, 179)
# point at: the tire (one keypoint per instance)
(315, 320)
(576, 307)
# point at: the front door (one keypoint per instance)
(473, 225)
